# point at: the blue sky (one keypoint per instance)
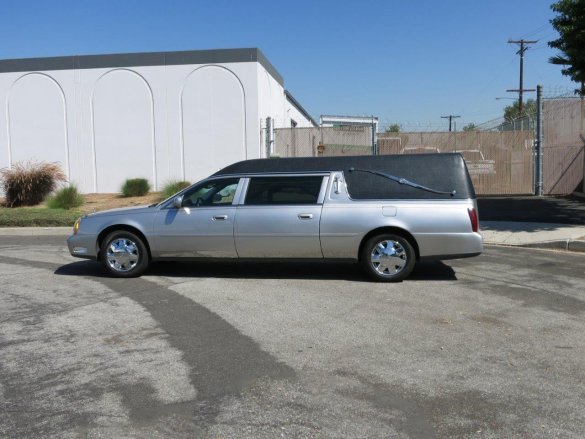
(404, 61)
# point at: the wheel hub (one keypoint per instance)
(122, 254)
(388, 257)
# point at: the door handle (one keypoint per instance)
(220, 217)
(305, 216)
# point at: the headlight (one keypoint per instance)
(76, 226)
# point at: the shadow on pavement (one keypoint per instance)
(557, 210)
(423, 271)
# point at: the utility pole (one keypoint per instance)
(450, 117)
(523, 48)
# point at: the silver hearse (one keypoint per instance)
(387, 212)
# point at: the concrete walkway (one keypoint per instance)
(521, 234)
(537, 235)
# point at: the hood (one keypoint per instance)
(123, 211)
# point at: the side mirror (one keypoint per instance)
(178, 201)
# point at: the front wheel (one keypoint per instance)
(388, 258)
(124, 254)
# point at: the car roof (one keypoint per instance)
(446, 172)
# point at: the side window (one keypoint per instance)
(211, 193)
(283, 190)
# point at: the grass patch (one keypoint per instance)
(37, 217)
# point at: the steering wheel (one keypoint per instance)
(199, 202)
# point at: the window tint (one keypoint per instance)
(283, 190)
(211, 193)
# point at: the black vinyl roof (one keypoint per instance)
(442, 172)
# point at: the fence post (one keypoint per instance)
(374, 149)
(269, 137)
(538, 190)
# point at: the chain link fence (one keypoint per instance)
(323, 141)
(564, 145)
(499, 156)
(500, 163)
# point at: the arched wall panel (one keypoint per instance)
(213, 121)
(37, 129)
(123, 130)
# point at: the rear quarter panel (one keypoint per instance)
(439, 227)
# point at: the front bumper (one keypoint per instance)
(83, 246)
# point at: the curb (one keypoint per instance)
(35, 231)
(562, 245)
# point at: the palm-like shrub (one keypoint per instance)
(135, 187)
(28, 184)
(65, 198)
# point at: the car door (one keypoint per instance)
(204, 226)
(279, 217)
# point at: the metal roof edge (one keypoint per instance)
(140, 59)
(299, 107)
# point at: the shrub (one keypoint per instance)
(135, 187)
(172, 187)
(65, 198)
(28, 184)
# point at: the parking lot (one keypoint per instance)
(484, 347)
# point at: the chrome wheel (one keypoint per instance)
(388, 258)
(122, 255)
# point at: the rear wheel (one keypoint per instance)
(388, 258)
(124, 254)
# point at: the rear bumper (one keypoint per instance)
(449, 245)
(83, 246)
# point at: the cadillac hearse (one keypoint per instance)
(385, 212)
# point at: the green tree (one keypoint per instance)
(570, 24)
(470, 127)
(512, 112)
(394, 128)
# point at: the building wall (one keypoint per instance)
(292, 112)
(159, 122)
(273, 103)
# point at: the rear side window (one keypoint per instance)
(283, 190)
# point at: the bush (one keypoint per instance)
(172, 187)
(65, 198)
(135, 187)
(28, 184)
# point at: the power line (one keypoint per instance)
(450, 117)
(523, 48)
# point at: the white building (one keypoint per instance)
(161, 116)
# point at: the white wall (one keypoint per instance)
(157, 122)
(273, 102)
(292, 112)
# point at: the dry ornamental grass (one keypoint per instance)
(29, 183)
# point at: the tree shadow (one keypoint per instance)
(557, 210)
(423, 271)
(515, 226)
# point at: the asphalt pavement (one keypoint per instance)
(483, 347)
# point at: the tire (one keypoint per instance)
(388, 258)
(124, 254)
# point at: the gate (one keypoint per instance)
(499, 162)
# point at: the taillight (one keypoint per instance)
(473, 218)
